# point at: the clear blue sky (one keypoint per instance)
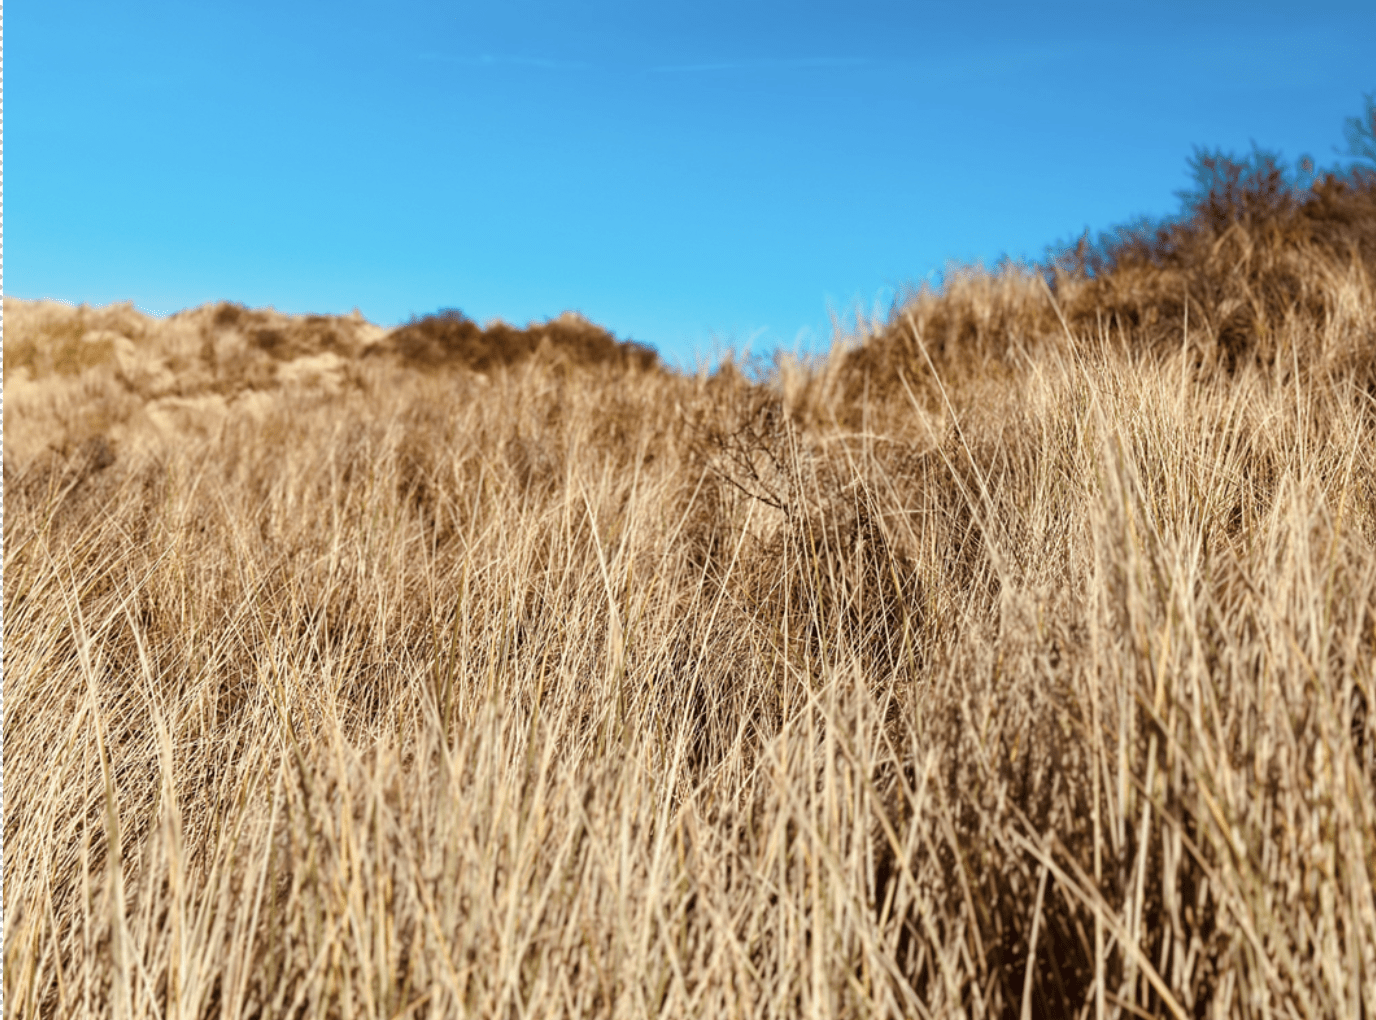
(686, 174)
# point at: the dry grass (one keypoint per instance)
(1036, 685)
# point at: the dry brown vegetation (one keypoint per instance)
(1016, 660)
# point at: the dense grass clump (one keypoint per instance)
(1011, 662)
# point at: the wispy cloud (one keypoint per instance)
(764, 64)
(503, 60)
(705, 67)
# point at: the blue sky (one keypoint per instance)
(694, 176)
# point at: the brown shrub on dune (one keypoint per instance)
(450, 338)
(1255, 272)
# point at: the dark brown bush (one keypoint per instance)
(450, 338)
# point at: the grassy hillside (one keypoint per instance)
(1016, 660)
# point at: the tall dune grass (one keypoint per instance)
(1034, 684)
